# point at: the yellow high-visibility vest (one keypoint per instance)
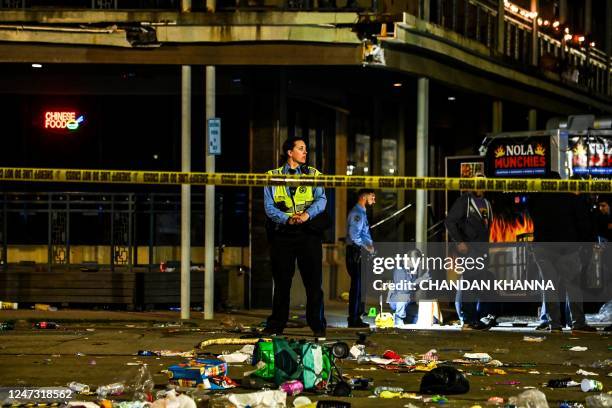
(303, 198)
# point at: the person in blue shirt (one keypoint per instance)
(358, 238)
(296, 220)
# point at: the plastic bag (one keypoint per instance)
(604, 315)
(143, 384)
(171, 400)
(599, 401)
(262, 399)
(529, 399)
(444, 380)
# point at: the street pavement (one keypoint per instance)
(100, 347)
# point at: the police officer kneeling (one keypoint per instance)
(296, 220)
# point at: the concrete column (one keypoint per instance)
(401, 161)
(209, 206)
(533, 119)
(535, 52)
(263, 156)
(501, 12)
(497, 116)
(185, 6)
(608, 25)
(424, 9)
(423, 14)
(563, 11)
(608, 43)
(341, 195)
(283, 132)
(422, 151)
(588, 17)
(341, 161)
(185, 191)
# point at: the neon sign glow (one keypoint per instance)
(63, 120)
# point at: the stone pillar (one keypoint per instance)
(588, 17)
(535, 42)
(497, 117)
(501, 11)
(422, 149)
(209, 203)
(608, 44)
(341, 205)
(533, 119)
(401, 161)
(264, 150)
(563, 10)
(185, 192)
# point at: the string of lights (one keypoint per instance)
(556, 25)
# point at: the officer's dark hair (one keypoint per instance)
(364, 191)
(289, 145)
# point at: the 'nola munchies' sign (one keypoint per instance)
(508, 157)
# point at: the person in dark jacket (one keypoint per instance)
(604, 219)
(561, 221)
(468, 223)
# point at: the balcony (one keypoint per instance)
(575, 63)
(524, 44)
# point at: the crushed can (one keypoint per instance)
(78, 387)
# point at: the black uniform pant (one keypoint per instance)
(564, 270)
(305, 248)
(476, 305)
(353, 267)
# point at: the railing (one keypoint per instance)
(105, 228)
(475, 20)
(586, 67)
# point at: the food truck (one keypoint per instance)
(576, 147)
(580, 146)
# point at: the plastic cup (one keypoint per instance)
(588, 385)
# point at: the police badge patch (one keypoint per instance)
(302, 190)
(357, 218)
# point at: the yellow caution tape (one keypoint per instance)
(330, 181)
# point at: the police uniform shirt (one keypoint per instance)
(358, 227)
(278, 216)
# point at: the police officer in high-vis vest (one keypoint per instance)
(294, 235)
(358, 239)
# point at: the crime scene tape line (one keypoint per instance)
(330, 181)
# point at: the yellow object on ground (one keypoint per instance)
(384, 320)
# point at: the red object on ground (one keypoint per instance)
(392, 355)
